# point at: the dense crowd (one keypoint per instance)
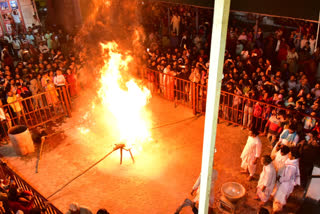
(15, 200)
(33, 61)
(270, 84)
(278, 68)
(270, 79)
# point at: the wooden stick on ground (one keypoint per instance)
(43, 138)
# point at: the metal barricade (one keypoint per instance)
(250, 113)
(37, 110)
(39, 200)
(235, 109)
(170, 87)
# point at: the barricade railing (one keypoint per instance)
(236, 109)
(39, 200)
(172, 88)
(36, 110)
(244, 111)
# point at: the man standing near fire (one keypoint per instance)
(196, 187)
(251, 154)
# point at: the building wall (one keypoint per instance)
(25, 9)
(27, 12)
(64, 13)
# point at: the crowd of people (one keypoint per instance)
(270, 86)
(15, 200)
(270, 80)
(289, 165)
(33, 61)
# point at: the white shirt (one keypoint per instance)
(290, 177)
(252, 148)
(278, 45)
(175, 20)
(8, 38)
(279, 161)
(243, 37)
(30, 38)
(290, 139)
(59, 80)
(43, 49)
(267, 177)
(16, 18)
(312, 45)
(303, 43)
(196, 186)
(16, 44)
(2, 115)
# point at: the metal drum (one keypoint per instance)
(21, 140)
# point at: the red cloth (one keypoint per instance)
(72, 84)
(16, 205)
(274, 128)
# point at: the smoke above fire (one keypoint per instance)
(109, 21)
(110, 44)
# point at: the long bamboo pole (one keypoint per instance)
(317, 37)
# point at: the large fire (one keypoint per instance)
(123, 98)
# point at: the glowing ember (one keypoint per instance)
(84, 130)
(124, 99)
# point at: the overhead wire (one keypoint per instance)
(104, 157)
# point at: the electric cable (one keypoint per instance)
(104, 157)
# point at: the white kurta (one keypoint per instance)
(251, 151)
(196, 186)
(279, 161)
(268, 179)
(290, 177)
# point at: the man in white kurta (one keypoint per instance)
(251, 153)
(280, 159)
(196, 186)
(290, 177)
(267, 179)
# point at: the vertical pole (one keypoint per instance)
(77, 12)
(66, 101)
(218, 44)
(317, 38)
(197, 19)
(169, 22)
(193, 97)
(256, 28)
(120, 156)
(35, 10)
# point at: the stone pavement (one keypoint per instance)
(162, 177)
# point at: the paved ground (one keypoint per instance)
(162, 177)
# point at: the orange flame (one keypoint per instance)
(124, 99)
